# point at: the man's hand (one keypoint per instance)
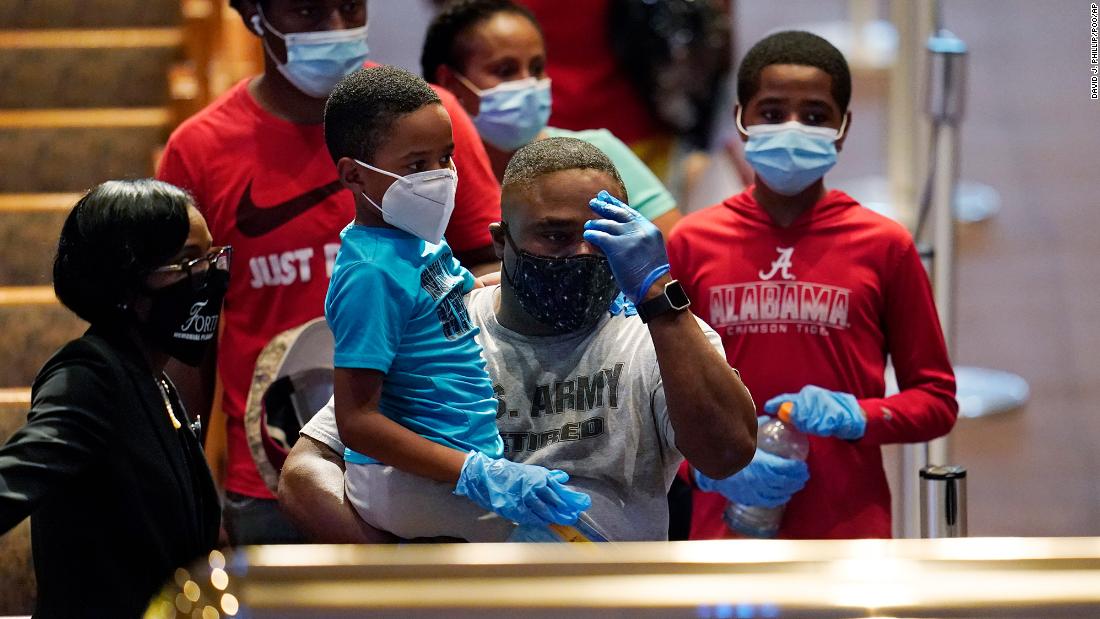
(823, 412)
(632, 244)
(710, 410)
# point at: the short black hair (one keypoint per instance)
(363, 107)
(443, 44)
(550, 155)
(113, 237)
(236, 4)
(794, 47)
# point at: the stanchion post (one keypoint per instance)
(943, 501)
(946, 106)
(907, 154)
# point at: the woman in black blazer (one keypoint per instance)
(109, 466)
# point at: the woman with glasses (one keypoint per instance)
(109, 466)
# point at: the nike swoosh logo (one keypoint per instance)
(254, 221)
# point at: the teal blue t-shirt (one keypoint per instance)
(395, 304)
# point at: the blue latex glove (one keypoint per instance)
(768, 481)
(522, 493)
(632, 244)
(823, 412)
(622, 305)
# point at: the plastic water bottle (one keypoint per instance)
(778, 437)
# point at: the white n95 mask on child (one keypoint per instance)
(421, 203)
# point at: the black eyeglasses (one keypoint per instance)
(217, 258)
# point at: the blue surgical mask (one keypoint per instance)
(789, 157)
(513, 113)
(316, 61)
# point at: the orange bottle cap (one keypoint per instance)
(784, 413)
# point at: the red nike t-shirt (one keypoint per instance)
(821, 302)
(269, 188)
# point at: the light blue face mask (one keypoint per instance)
(316, 61)
(789, 157)
(513, 113)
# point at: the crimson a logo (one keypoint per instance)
(781, 265)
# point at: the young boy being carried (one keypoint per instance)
(413, 401)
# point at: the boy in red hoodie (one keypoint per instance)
(811, 293)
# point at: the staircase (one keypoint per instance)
(84, 97)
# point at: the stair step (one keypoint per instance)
(32, 223)
(90, 73)
(33, 329)
(37, 202)
(17, 586)
(91, 39)
(11, 296)
(13, 398)
(42, 14)
(92, 117)
(53, 151)
(31, 238)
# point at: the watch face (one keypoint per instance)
(676, 296)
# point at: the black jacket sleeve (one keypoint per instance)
(67, 429)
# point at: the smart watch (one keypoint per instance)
(672, 299)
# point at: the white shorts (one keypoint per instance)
(410, 506)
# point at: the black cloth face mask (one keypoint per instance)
(566, 294)
(183, 319)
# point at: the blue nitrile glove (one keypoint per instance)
(823, 412)
(622, 305)
(632, 244)
(522, 493)
(768, 481)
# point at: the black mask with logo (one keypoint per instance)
(566, 294)
(183, 319)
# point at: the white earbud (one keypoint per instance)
(256, 27)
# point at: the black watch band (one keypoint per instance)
(672, 299)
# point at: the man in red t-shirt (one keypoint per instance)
(256, 162)
(810, 293)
